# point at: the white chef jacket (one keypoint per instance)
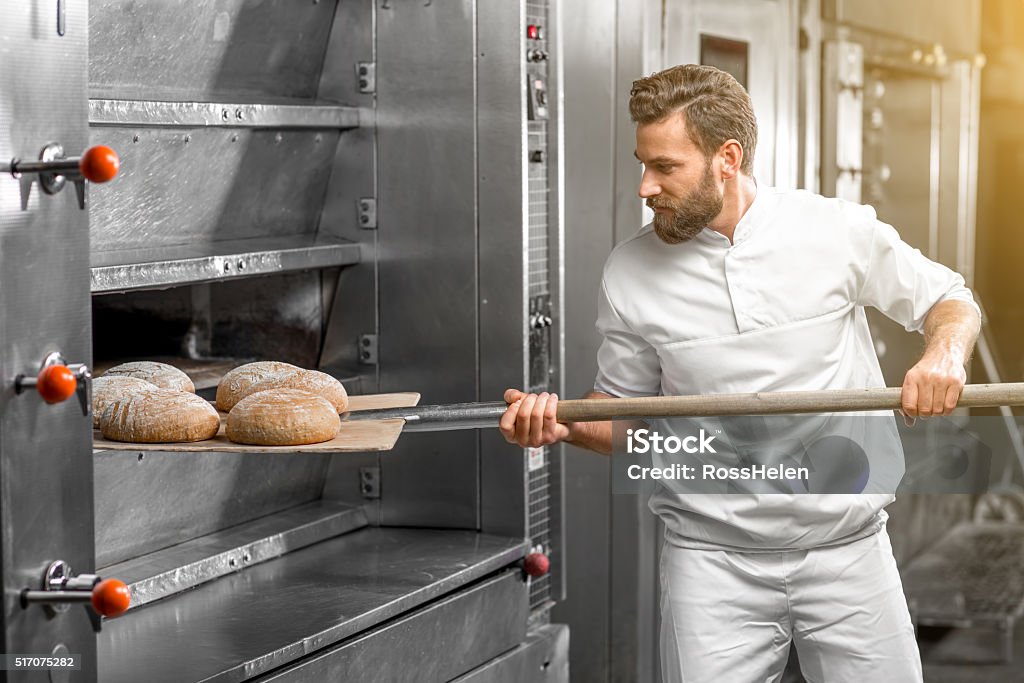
(779, 309)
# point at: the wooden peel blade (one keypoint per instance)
(486, 415)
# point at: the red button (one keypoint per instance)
(56, 383)
(536, 564)
(99, 164)
(111, 597)
(533, 32)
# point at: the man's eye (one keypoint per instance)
(665, 169)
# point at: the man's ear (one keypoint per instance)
(731, 154)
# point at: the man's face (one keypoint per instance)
(678, 181)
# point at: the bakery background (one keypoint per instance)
(418, 197)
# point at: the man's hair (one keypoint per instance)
(715, 106)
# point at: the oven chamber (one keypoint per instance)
(370, 189)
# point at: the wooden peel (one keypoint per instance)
(486, 415)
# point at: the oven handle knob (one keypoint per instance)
(61, 589)
(536, 564)
(56, 383)
(111, 597)
(97, 164)
(58, 380)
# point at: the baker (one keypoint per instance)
(738, 287)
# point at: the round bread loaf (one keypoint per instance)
(161, 374)
(107, 389)
(236, 384)
(282, 417)
(312, 382)
(160, 416)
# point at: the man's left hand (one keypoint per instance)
(933, 386)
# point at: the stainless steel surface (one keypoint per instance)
(231, 50)
(54, 169)
(59, 600)
(149, 501)
(842, 115)
(150, 268)
(60, 589)
(45, 466)
(428, 268)
(603, 55)
(770, 29)
(954, 24)
(439, 417)
(809, 104)
(543, 657)
(186, 565)
(51, 160)
(462, 627)
(340, 587)
(203, 98)
(198, 186)
(131, 113)
(502, 176)
(353, 176)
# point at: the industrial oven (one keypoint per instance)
(367, 187)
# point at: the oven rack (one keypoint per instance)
(134, 113)
(278, 612)
(165, 572)
(169, 266)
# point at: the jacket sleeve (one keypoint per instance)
(898, 279)
(626, 364)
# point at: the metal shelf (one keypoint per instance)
(247, 623)
(186, 565)
(126, 270)
(200, 114)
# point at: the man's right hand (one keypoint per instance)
(530, 420)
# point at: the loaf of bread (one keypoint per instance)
(161, 374)
(312, 382)
(236, 384)
(159, 416)
(111, 388)
(282, 417)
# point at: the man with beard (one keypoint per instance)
(738, 287)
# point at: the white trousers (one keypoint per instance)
(730, 617)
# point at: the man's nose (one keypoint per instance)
(648, 187)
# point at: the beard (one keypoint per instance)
(689, 215)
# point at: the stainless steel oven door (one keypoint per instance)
(46, 476)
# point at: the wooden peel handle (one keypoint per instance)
(787, 402)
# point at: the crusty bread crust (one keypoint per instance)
(106, 389)
(236, 384)
(161, 374)
(282, 417)
(160, 416)
(312, 382)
